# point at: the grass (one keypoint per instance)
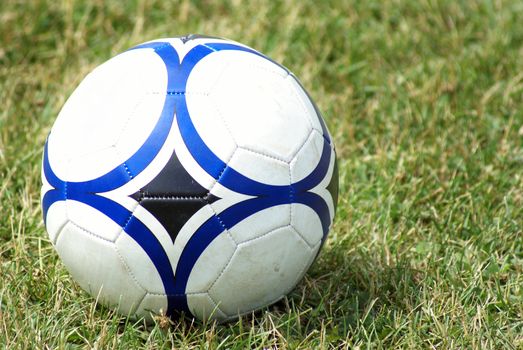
(425, 102)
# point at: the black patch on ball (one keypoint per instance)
(173, 196)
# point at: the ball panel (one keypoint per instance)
(261, 271)
(314, 255)
(260, 223)
(139, 264)
(210, 264)
(257, 104)
(151, 305)
(139, 124)
(56, 220)
(202, 306)
(306, 103)
(307, 224)
(308, 157)
(260, 167)
(136, 70)
(108, 96)
(312, 258)
(87, 166)
(205, 76)
(92, 220)
(95, 265)
(210, 124)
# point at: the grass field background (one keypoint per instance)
(425, 102)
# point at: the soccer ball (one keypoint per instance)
(191, 175)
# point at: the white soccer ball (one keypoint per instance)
(189, 174)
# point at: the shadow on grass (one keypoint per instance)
(346, 289)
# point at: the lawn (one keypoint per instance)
(425, 103)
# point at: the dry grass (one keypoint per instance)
(425, 101)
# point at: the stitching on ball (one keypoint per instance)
(216, 306)
(144, 196)
(220, 115)
(130, 272)
(263, 235)
(90, 233)
(219, 219)
(222, 271)
(305, 140)
(223, 170)
(305, 268)
(298, 233)
(129, 117)
(140, 197)
(128, 171)
(278, 159)
(292, 163)
(126, 223)
(177, 93)
(223, 225)
(59, 232)
(324, 136)
(230, 237)
(165, 295)
(268, 70)
(302, 103)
